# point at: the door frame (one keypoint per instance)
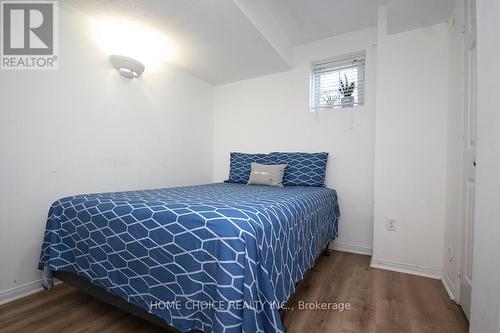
(466, 29)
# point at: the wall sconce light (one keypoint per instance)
(127, 67)
(131, 45)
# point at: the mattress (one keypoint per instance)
(215, 258)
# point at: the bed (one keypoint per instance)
(214, 258)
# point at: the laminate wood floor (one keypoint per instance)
(380, 301)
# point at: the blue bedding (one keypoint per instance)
(217, 258)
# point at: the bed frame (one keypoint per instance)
(84, 285)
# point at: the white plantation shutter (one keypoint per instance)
(338, 83)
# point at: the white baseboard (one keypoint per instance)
(24, 290)
(359, 249)
(450, 288)
(427, 271)
(21, 291)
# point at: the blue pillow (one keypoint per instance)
(303, 169)
(239, 169)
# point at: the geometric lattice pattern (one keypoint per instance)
(226, 245)
(303, 169)
(240, 166)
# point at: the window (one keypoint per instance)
(338, 83)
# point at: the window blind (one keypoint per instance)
(338, 83)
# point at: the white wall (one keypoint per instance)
(85, 129)
(485, 308)
(271, 113)
(454, 148)
(410, 149)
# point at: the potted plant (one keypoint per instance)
(346, 89)
(329, 100)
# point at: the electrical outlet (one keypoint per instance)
(450, 254)
(391, 224)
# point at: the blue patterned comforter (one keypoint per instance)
(217, 258)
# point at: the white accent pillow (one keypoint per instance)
(271, 175)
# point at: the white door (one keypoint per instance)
(465, 271)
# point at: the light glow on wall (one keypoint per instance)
(123, 37)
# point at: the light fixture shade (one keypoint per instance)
(127, 67)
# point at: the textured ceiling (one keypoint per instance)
(406, 15)
(213, 39)
(223, 41)
(306, 21)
